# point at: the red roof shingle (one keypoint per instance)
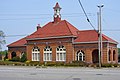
(90, 36)
(62, 28)
(20, 42)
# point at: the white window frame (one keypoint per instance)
(35, 54)
(47, 54)
(80, 54)
(60, 53)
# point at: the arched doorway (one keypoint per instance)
(109, 53)
(13, 54)
(114, 55)
(95, 58)
(0, 56)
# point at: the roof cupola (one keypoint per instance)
(57, 15)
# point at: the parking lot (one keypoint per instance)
(61, 73)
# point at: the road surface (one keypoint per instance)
(52, 73)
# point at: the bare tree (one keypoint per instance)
(2, 39)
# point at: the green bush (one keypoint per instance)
(23, 58)
(49, 63)
(11, 63)
(115, 65)
(79, 63)
(107, 65)
(60, 63)
(33, 63)
(53, 63)
(15, 59)
(72, 64)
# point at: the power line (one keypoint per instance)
(111, 30)
(115, 30)
(27, 14)
(86, 14)
(34, 18)
(16, 35)
(22, 18)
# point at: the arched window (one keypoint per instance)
(114, 55)
(60, 53)
(35, 54)
(80, 56)
(47, 53)
(109, 53)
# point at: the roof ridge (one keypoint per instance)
(108, 38)
(68, 27)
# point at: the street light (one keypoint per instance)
(100, 34)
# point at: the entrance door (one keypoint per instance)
(0, 56)
(95, 56)
(13, 54)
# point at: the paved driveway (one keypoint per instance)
(33, 73)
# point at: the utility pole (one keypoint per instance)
(100, 34)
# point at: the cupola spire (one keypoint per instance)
(57, 15)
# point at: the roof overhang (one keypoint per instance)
(17, 46)
(94, 42)
(51, 37)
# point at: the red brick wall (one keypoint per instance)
(53, 43)
(88, 48)
(71, 49)
(18, 50)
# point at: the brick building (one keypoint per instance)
(60, 41)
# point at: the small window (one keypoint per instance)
(80, 56)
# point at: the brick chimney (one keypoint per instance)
(38, 26)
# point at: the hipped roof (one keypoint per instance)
(91, 36)
(62, 28)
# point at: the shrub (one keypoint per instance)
(115, 65)
(15, 59)
(50, 64)
(33, 63)
(60, 63)
(28, 61)
(79, 63)
(71, 64)
(107, 65)
(23, 58)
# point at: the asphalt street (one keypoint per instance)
(61, 73)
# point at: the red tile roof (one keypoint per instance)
(108, 39)
(62, 28)
(91, 36)
(83, 36)
(20, 42)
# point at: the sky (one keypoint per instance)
(19, 18)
